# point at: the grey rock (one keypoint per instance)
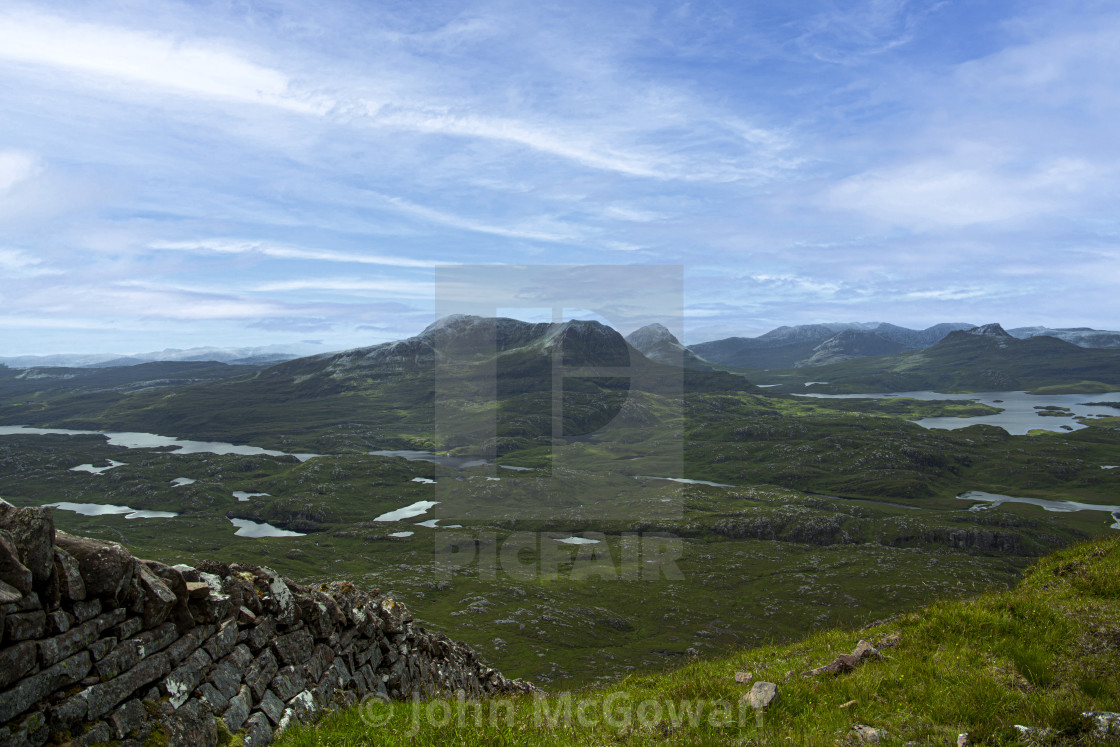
(190, 726)
(304, 707)
(8, 595)
(260, 673)
(259, 733)
(212, 697)
(762, 694)
(12, 570)
(37, 687)
(99, 731)
(129, 628)
(238, 711)
(157, 639)
(61, 646)
(123, 657)
(186, 677)
(868, 734)
(31, 732)
(272, 707)
(102, 646)
(16, 660)
(280, 600)
(128, 718)
(261, 635)
(70, 581)
(295, 647)
(59, 621)
(32, 532)
(67, 713)
(86, 609)
(240, 657)
(106, 567)
(105, 696)
(189, 643)
(158, 599)
(223, 641)
(23, 625)
(287, 683)
(226, 678)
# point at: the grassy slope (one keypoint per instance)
(1039, 655)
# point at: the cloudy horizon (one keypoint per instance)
(177, 175)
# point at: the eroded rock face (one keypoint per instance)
(106, 567)
(32, 532)
(125, 649)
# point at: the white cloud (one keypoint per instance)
(382, 286)
(19, 264)
(960, 191)
(192, 67)
(15, 166)
(276, 251)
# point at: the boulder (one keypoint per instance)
(762, 694)
(32, 532)
(106, 567)
(13, 572)
(70, 582)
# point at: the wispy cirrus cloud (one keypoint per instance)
(279, 251)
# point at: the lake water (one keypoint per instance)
(401, 534)
(994, 499)
(685, 480)
(1019, 409)
(578, 541)
(419, 455)
(106, 509)
(242, 496)
(246, 528)
(415, 509)
(179, 482)
(131, 440)
(97, 470)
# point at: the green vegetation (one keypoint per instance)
(1039, 655)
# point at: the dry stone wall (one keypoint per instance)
(100, 646)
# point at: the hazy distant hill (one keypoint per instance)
(984, 358)
(657, 343)
(1081, 336)
(818, 344)
(257, 355)
(388, 391)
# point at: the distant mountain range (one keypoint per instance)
(985, 358)
(823, 344)
(257, 355)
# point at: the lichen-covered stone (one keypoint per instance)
(272, 707)
(106, 567)
(186, 677)
(258, 731)
(24, 625)
(260, 672)
(105, 696)
(16, 660)
(238, 711)
(32, 532)
(34, 689)
(12, 570)
(70, 582)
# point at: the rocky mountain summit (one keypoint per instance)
(657, 343)
(98, 646)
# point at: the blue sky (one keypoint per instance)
(176, 174)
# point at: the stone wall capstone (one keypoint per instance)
(100, 646)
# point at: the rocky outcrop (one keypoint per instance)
(99, 646)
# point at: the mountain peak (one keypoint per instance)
(988, 330)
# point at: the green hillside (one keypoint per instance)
(1039, 656)
(964, 362)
